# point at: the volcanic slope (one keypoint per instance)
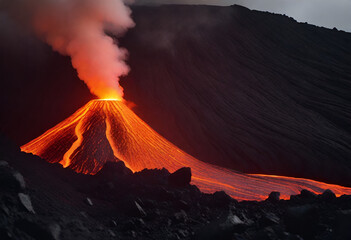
(248, 90)
(106, 130)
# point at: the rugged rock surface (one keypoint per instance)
(180, 178)
(57, 203)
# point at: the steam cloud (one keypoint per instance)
(77, 28)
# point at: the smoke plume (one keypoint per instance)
(77, 28)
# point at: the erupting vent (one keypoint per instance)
(107, 130)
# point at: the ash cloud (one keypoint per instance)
(77, 28)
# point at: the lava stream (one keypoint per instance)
(107, 130)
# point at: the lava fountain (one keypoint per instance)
(107, 130)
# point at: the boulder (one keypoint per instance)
(220, 199)
(307, 195)
(54, 230)
(180, 178)
(26, 202)
(20, 180)
(328, 195)
(153, 176)
(273, 197)
(111, 170)
(88, 201)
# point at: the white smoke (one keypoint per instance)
(78, 28)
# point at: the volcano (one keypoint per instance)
(107, 130)
(272, 95)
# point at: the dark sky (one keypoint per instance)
(327, 13)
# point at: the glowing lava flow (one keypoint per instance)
(107, 130)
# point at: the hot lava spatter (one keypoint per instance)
(107, 130)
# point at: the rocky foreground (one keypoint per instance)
(39, 200)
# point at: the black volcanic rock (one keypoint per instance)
(153, 176)
(5, 234)
(269, 219)
(137, 210)
(89, 201)
(26, 202)
(220, 198)
(223, 228)
(10, 179)
(112, 170)
(166, 195)
(182, 205)
(274, 197)
(344, 225)
(304, 197)
(180, 217)
(328, 195)
(302, 220)
(180, 178)
(4, 164)
(143, 205)
(39, 229)
(305, 194)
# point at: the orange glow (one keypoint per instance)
(108, 130)
(110, 96)
(109, 99)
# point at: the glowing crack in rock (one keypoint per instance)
(107, 130)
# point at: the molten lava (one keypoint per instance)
(107, 130)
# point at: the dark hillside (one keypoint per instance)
(254, 91)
